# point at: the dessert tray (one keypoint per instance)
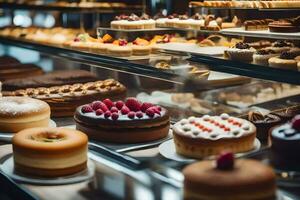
(6, 137)
(7, 167)
(167, 150)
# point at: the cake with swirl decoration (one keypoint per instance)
(129, 121)
(228, 179)
(209, 135)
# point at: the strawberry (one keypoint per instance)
(96, 105)
(119, 104)
(114, 110)
(108, 103)
(131, 115)
(156, 109)
(145, 106)
(86, 109)
(114, 116)
(150, 112)
(125, 110)
(225, 161)
(133, 104)
(99, 112)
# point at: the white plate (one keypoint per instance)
(7, 166)
(167, 149)
(6, 137)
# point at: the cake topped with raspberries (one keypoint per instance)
(122, 122)
(208, 135)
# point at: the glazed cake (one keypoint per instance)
(229, 179)
(285, 147)
(49, 152)
(209, 135)
(64, 99)
(122, 122)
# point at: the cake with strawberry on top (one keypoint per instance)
(122, 122)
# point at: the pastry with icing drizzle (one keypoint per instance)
(209, 135)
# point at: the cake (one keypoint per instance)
(120, 48)
(49, 152)
(262, 56)
(285, 147)
(286, 114)
(8, 72)
(241, 52)
(197, 22)
(55, 78)
(286, 60)
(122, 122)
(64, 99)
(263, 123)
(228, 179)
(209, 135)
(18, 113)
(141, 47)
(285, 25)
(132, 22)
(8, 60)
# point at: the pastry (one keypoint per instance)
(183, 22)
(120, 48)
(241, 52)
(285, 25)
(147, 21)
(172, 20)
(280, 46)
(55, 78)
(262, 56)
(287, 114)
(18, 113)
(141, 47)
(122, 122)
(263, 123)
(197, 22)
(209, 135)
(8, 72)
(286, 60)
(64, 99)
(254, 25)
(49, 152)
(133, 22)
(228, 179)
(260, 44)
(285, 147)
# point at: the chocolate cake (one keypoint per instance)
(286, 145)
(7, 60)
(21, 71)
(55, 78)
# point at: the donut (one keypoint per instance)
(49, 152)
(18, 113)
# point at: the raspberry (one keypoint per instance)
(145, 106)
(114, 116)
(125, 110)
(86, 109)
(139, 114)
(296, 122)
(114, 110)
(119, 104)
(107, 114)
(108, 103)
(131, 115)
(156, 109)
(96, 105)
(103, 107)
(150, 112)
(133, 104)
(225, 161)
(99, 112)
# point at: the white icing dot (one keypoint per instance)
(224, 116)
(186, 127)
(191, 119)
(184, 121)
(206, 117)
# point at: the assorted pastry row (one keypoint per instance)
(281, 54)
(197, 22)
(248, 4)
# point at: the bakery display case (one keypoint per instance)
(150, 107)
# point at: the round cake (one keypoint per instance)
(18, 113)
(122, 122)
(209, 135)
(226, 179)
(285, 147)
(49, 152)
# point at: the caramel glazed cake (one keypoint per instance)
(210, 135)
(64, 100)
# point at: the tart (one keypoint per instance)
(228, 179)
(120, 48)
(141, 47)
(262, 56)
(285, 147)
(241, 52)
(18, 113)
(49, 152)
(263, 123)
(286, 60)
(122, 122)
(209, 135)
